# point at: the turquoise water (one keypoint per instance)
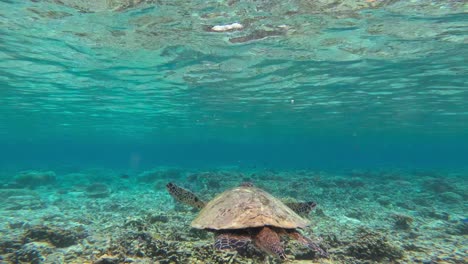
(329, 86)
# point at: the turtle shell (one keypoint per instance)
(246, 207)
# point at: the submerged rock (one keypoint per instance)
(451, 197)
(23, 202)
(58, 237)
(5, 193)
(153, 218)
(402, 221)
(106, 259)
(97, 190)
(460, 229)
(31, 253)
(154, 175)
(35, 178)
(9, 246)
(142, 244)
(371, 245)
(438, 185)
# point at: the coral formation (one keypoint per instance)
(14, 199)
(154, 175)
(97, 190)
(402, 221)
(451, 197)
(142, 244)
(131, 246)
(140, 224)
(106, 259)
(384, 201)
(372, 245)
(438, 185)
(9, 246)
(58, 237)
(460, 228)
(33, 179)
(30, 253)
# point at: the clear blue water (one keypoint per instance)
(329, 84)
(361, 106)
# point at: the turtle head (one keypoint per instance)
(247, 184)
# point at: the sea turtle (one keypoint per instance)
(248, 214)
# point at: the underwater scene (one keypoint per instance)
(231, 131)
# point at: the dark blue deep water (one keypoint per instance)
(330, 153)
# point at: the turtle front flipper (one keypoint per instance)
(230, 241)
(269, 240)
(184, 196)
(302, 208)
(307, 242)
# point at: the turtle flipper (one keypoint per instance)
(307, 242)
(302, 208)
(269, 240)
(184, 196)
(228, 241)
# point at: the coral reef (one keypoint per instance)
(384, 201)
(31, 253)
(372, 245)
(9, 246)
(140, 224)
(58, 237)
(438, 185)
(164, 174)
(402, 221)
(106, 259)
(460, 228)
(33, 179)
(97, 190)
(142, 245)
(20, 199)
(451, 197)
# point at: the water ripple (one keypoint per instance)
(297, 65)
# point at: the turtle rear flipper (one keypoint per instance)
(303, 208)
(228, 241)
(184, 196)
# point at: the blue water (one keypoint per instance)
(333, 86)
(384, 86)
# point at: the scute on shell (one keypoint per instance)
(245, 207)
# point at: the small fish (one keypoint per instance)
(124, 176)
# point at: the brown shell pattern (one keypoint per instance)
(245, 207)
